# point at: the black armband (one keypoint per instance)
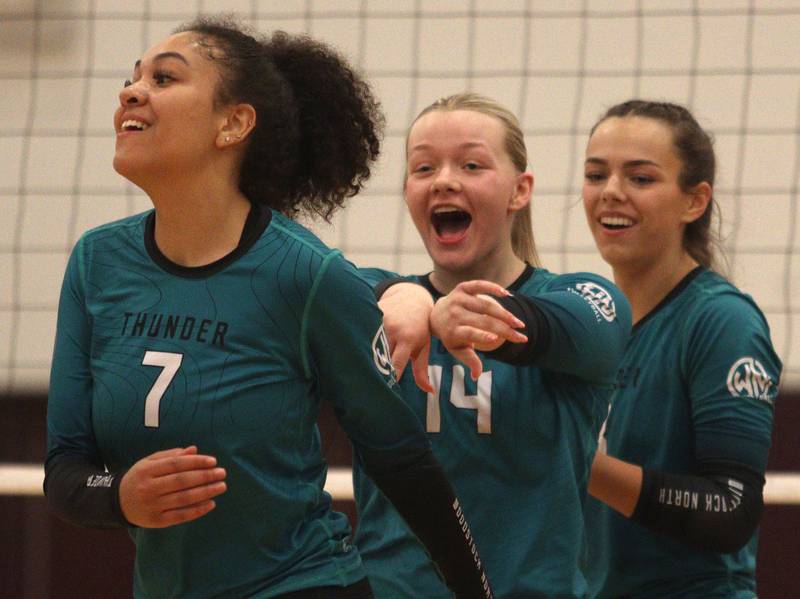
(80, 492)
(717, 510)
(381, 287)
(426, 501)
(537, 329)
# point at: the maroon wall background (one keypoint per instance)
(42, 557)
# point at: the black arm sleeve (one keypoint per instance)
(537, 329)
(80, 492)
(423, 497)
(717, 510)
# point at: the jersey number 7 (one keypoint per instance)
(170, 363)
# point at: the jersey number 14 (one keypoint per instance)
(481, 401)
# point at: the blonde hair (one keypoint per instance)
(522, 241)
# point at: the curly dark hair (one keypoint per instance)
(318, 125)
(695, 148)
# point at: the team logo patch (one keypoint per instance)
(748, 378)
(599, 299)
(381, 355)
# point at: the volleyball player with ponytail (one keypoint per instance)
(516, 435)
(196, 341)
(679, 478)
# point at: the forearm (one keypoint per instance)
(388, 287)
(717, 509)
(615, 483)
(571, 320)
(82, 493)
(406, 294)
(536, 329)
(425, 500)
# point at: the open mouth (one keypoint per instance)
(616, 223)
(450, 224)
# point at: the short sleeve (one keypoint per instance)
(733, 375)
(350, 356)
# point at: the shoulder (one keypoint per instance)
(569, 278)
(297, 257)
(108, 239)
(603, 295)
(294, 233)
(712, 301)
(546, 280)
(123, 227)
(376, 275)
(381, 280)
(725, 327)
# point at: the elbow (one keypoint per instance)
(50, 468)
(606, 351)
(731, 541)
(734, 545)
(733, 534)
(604, 364)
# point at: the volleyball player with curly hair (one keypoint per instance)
(196, 341)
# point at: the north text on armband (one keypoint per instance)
(702, 501)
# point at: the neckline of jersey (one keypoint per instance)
(257, 221)
(528, 271)
(674, 292)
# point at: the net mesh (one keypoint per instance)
(557, 64)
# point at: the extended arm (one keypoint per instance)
(386, 434)
(470, 318)
(466, 319)
(572, 317)
(424, 498)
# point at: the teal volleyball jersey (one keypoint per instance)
(235, 358)
(517, 446)
(698, 382)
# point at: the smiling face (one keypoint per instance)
(634, 203)
(167, 121)
(462, 189)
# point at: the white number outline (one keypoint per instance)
(170, 362)
(481, 402)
